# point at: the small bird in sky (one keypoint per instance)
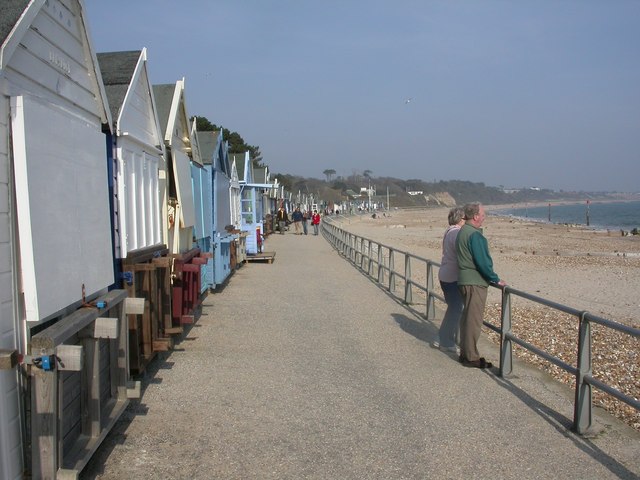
(408, 100)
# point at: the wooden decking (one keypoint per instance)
(262, 257)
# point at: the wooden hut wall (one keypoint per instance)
(10, 339)
(202, 196)
(222, 186)
(234, 194)
(141, 188)
(65, 161)
(52, 112)
(141, 168)
(59, 153)
(139, 198)
(208, 275)
(180, 143)
(224, 240)
(178, 207)
(251, 208)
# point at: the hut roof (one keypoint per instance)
(117, 69)
(239, 158)
(11, 12)
(207, 142)
(164, 97)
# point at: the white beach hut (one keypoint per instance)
(174, 123)
(139, 152)
(143, 265)
(55, 241)
(180, 209)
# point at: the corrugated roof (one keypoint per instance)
(117, 69)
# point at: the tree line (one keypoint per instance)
(234, 139)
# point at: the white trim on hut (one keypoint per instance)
(54, 207)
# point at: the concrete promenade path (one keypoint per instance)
(305, 369)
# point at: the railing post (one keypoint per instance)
(582, 417)
(380, 268)
(356, 241)
(506, 346)
(369, 257)
(431, 308)
(354, 246)
(347, 240)
(408, 295)
(354, 249)
(361, 250)
(392, 273)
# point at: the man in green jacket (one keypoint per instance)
(475, 274)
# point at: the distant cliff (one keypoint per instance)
(442, 199)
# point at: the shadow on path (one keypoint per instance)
(426, 332)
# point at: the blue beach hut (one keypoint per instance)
(214, 152)
(251, 207)
(202, 194)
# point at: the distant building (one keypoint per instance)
(351, 194)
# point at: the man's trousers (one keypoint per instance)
(475, 299)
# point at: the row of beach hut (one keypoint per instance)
(116, 216)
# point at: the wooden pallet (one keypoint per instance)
(149, 279)
(262, 257)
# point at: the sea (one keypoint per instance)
(597, 215)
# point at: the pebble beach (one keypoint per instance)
(585, 269)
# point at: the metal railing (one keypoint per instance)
(379, 261)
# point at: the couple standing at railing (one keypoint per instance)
(466, 271)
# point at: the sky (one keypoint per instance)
(525, 93)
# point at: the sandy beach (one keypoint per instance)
(596, 271)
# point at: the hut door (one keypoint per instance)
(62, 202)
(248, 217)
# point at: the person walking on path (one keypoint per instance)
(305, 220)
(297, 221)
(475, 274)
(282, 220)
(448, 277)
(315, 221)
